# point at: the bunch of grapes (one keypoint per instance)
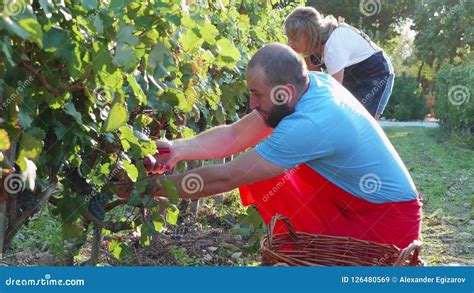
(25, 200)
(96, 206)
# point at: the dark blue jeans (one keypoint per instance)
(371, 82)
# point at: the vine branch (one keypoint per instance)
(55, 91)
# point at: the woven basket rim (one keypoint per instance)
(275, 248)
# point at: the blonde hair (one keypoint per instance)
(313, 24)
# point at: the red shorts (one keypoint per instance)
(316, 205)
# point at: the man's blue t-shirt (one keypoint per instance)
(334, 134)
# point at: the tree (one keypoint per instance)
(445, 31)
(378, 18)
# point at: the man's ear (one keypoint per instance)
(294, 92)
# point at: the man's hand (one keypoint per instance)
(124, 188)
(165, 158)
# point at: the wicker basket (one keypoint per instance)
(303, 249)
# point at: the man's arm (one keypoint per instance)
(248, 168)
(217, 142)
(225, 140)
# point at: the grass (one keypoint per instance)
(441, 170)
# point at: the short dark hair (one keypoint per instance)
(281, 65)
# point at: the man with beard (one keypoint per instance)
(321, 159)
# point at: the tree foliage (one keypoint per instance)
(378, 19)
(445, 31)
(86, 87)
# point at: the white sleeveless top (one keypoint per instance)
(346, 47)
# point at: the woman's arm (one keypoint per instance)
(339, 76)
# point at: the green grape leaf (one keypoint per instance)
(209, 32)
(190, 41)
(54, 39)
(46, 4)
(137, 90)
(228, 53)
(118, 6)
(147, 229)
(30, 148)
(157, 220)
(126, 133)
(4, 140)
(35, 34)
(126, 35)
(127, 57)
(71, 110)
(37, 132)
(89, 4)
(25, 119)
(118, 116)
(170, 190)
(120, 249)
(98, 24)
(70, 209)
(132, 171)
(71, 230)
(172, 214)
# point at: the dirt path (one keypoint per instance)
(428, 124)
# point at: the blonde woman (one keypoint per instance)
(347, 54)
